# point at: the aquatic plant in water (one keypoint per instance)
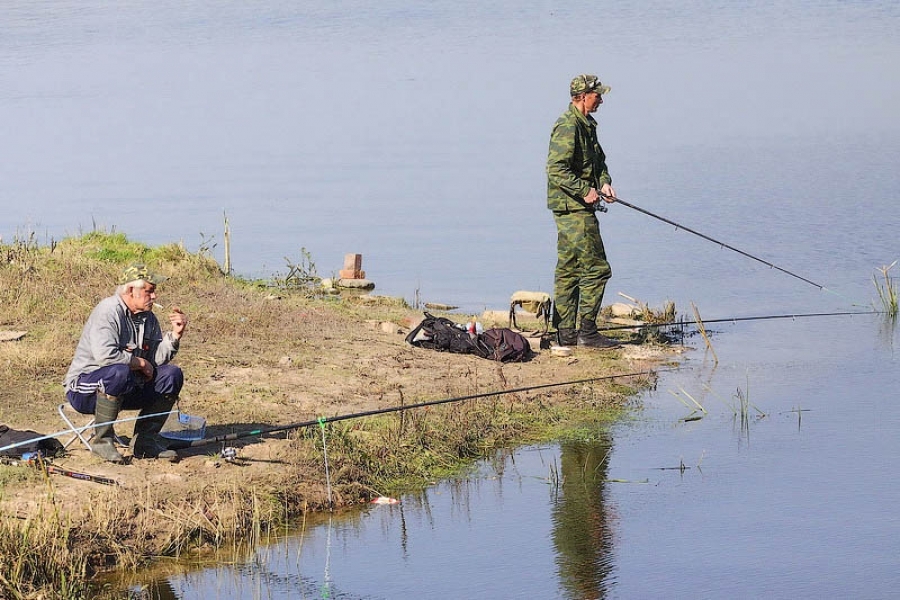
(887, 290)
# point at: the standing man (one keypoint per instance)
(122, 362)
(577, 179)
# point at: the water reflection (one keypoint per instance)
(485, 530)
(160, 589)
(581, 532)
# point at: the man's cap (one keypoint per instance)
(135, 272)
(584, 84)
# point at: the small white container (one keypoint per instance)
(562, 351)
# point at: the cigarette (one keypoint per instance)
(158, 305)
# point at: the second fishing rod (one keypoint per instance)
(264, 431)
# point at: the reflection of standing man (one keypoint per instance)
(582, 531)
(577, 178)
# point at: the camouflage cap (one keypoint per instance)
(584, 84)
(135, 272)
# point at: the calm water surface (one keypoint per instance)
(416, 135)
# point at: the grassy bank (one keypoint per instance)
(254, 356)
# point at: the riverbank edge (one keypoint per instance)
(59, 535)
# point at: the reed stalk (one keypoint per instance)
(697, 410)
(887, 291)
(702, 328)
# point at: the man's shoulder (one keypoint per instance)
(109, 302)
(107, 307)
(565, 123)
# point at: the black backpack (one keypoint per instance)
(442, 334)
(11, 437)
(506, 345)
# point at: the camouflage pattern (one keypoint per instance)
(135, 272)
(581, 269)
(575, 163)
(584, 84)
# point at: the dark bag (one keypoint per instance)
(506, 345)
(9, 437)
(442, 334)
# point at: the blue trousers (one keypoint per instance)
(120, 381)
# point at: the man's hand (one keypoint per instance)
(592, 196)
(179, 322)
(608, 193)
(142, 366)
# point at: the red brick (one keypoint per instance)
(353, 262)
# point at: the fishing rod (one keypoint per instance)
(737, 319)
(80, 430)
(181, 445)
(43, 464)
(715, 241)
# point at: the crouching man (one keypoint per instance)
(122, 361)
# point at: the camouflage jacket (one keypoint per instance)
(575, 163)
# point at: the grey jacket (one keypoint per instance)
(112, 335)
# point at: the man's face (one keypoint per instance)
(141, 299)
(592, 100)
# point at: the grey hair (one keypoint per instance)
(137, 283)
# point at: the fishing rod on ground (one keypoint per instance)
(737, 319)
(43, 464)
(181, 445)
(713, 240)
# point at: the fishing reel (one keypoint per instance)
(229, 454)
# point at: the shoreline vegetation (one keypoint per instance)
(258, 355)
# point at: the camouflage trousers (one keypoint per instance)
(581, 269)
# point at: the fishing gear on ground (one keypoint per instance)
(43, 463)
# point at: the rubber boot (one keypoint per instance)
(103, 443)
(589, 337)
(146, 443)
(567, 337)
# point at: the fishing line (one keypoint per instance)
(180, 445)
(737, 319)
(326, 576)
(715, 241)
(325, 454)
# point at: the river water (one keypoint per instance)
(415, 134)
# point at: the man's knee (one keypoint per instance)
(169, 380)
(598, 270)
(116, 380)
